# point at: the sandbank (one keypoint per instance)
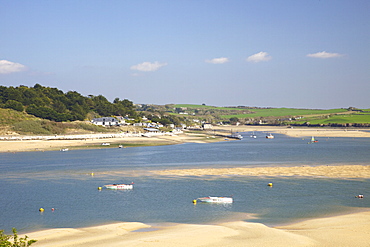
(319, 171)
(345, 230)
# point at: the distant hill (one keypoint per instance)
(45, 110)
(350, 117)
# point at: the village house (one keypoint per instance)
(207, 126)
(106, 121)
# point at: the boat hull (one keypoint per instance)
(119, 186)
(214, 199)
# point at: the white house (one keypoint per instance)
(106, 121)
(207, 126)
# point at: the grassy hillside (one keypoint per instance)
(338, 119)
(277, 116)
(15, 122)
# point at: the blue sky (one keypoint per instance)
(302, 54)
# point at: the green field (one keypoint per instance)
(284, 112)
(274, 115)
(341, 119)
(264, 112)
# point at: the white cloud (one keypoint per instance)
(148, 66)
(219, 60)
(259, 57)
(7, 67)
(324, 54)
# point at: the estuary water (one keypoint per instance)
(68, 182)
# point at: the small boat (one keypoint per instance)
(270, 136)
(105, 144)
(64, 150)
(120, 186)
(216, 199)
(235, 136)
(313, 140)
(253, 135)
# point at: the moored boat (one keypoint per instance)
(119, 186)
(270, 136)
(253, 135)
(216, 199)
(235, 136)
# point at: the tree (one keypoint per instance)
(17, 242)
(234, 120)
(15, 105)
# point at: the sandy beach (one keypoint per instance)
(94, 141)
(344, 230)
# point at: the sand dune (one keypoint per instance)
(345, 230)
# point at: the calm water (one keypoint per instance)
(62, 180)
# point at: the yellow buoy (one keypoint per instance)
(270, 184)
(92, 174)
(195, 201)
(99, 188)
(41, 210)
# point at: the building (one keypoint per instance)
(106, 121)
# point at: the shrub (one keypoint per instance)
(17, 242)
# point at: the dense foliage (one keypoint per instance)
(53, 104)
(16, 241)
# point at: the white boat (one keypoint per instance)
(105, 144)
(235, 136)
(216, 199)
(120, 186)
(64, 150)
(270, 136)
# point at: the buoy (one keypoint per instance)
(92, 174)
(270, 184)
(52, 209)
(41, 210)
(195, 201)
(99, 188)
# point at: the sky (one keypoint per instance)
(267, 53)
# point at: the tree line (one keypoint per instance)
(54, 104)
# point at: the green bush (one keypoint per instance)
(17, 242)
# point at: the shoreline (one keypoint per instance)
(343, 230)
(94, 141)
